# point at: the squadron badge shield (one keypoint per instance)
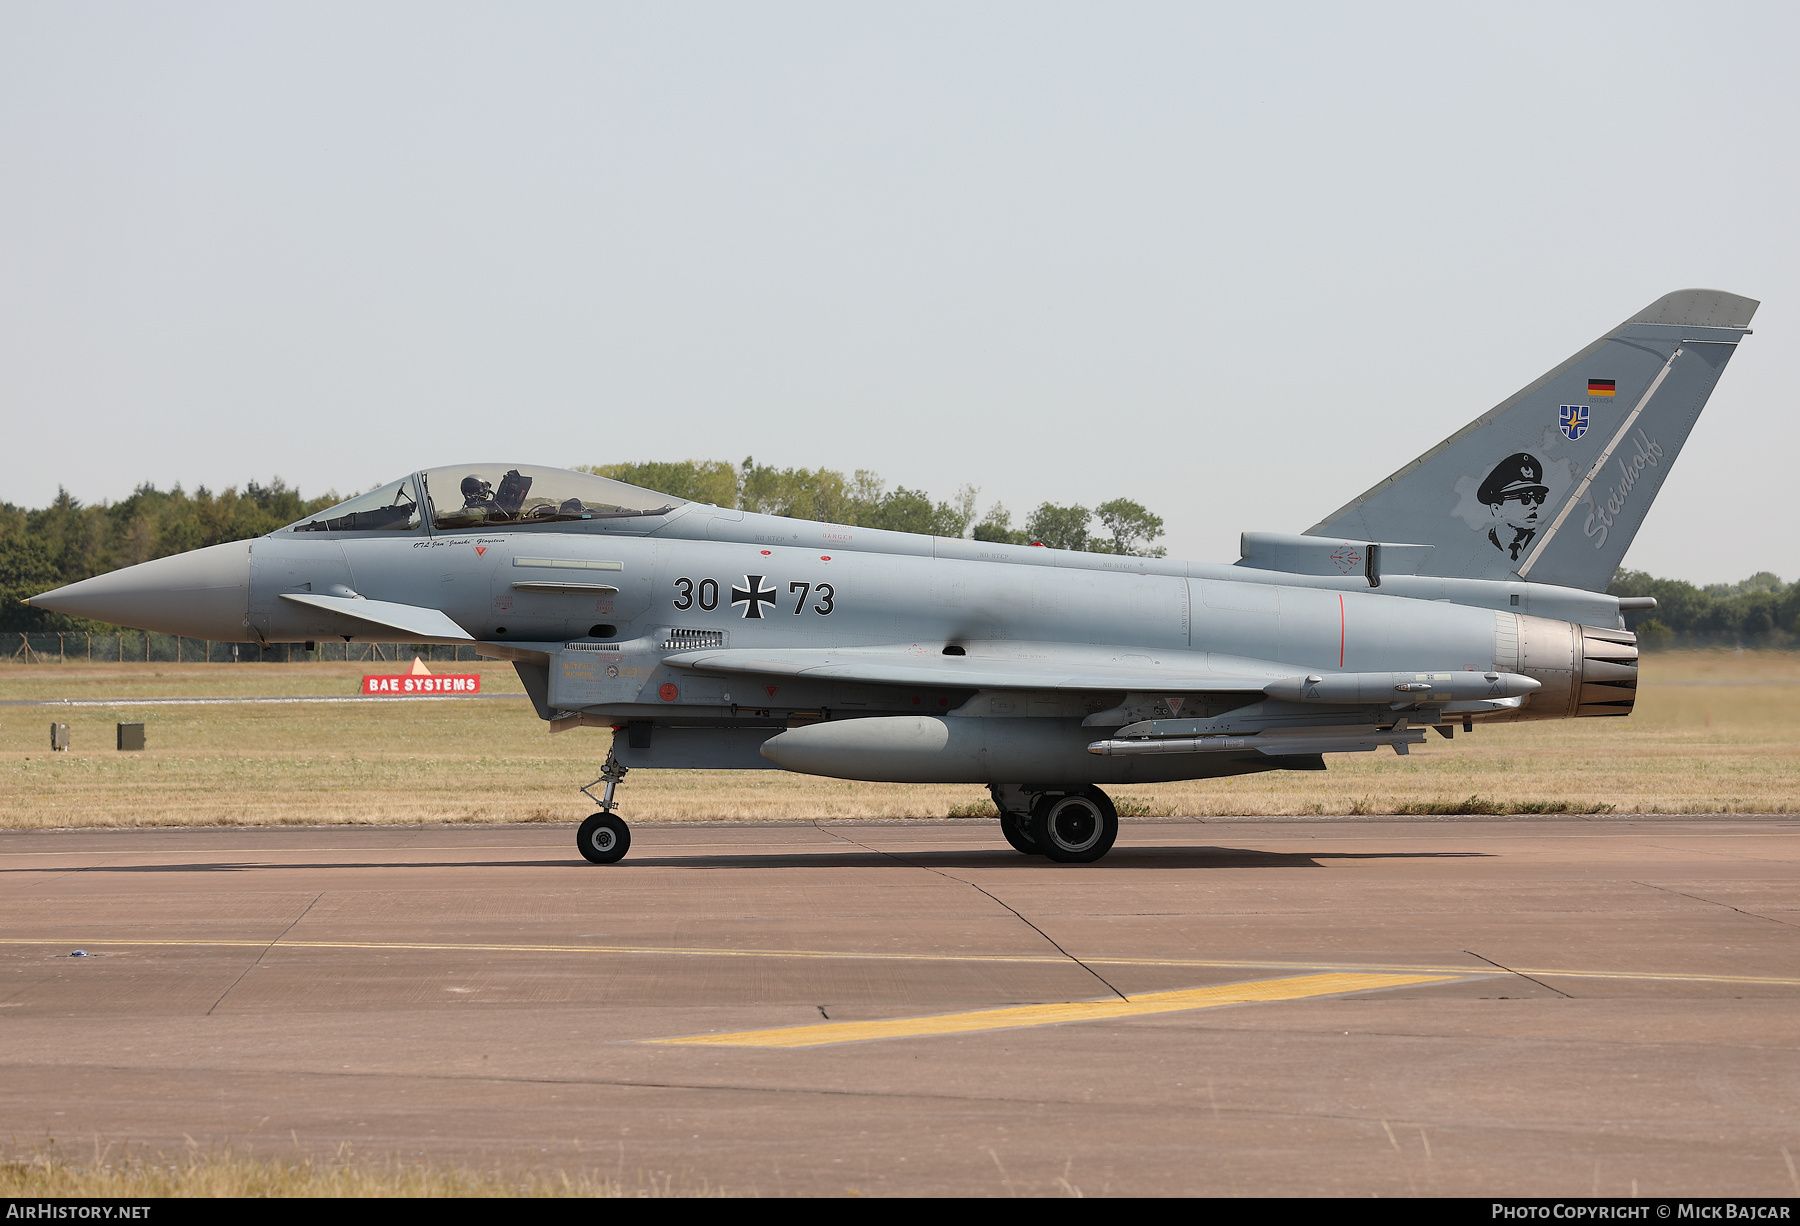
(1574, 421)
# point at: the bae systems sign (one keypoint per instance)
(420, 682)
(403, 685)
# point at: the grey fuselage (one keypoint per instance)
(720, 579)
(887, 587)
(703, 635)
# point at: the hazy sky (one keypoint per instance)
(1235, 261)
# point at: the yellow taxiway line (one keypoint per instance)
(1259, 991)
(668, 951)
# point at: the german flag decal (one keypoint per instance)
(1602, 387)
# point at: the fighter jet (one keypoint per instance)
(1467, 588)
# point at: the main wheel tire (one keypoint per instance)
(1017, 829)
(1077, 828)
(604, 838)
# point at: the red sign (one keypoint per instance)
(404, 685)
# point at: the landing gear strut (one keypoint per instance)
(604, 838)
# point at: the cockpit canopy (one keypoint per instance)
(489, 497)
(483, 495)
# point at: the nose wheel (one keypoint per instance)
(604, 838)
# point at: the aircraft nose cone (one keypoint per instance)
(204, 594)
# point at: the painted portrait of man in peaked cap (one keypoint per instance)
(1514, 495)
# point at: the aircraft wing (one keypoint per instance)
(385, 614)
(1057, 668)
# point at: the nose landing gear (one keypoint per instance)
(604, 838)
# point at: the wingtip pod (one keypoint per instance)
(1698, 308)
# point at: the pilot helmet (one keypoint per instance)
(475, 487)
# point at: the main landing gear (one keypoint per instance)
(604, 838)
(1074, 827)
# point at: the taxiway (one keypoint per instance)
(1333, 1006)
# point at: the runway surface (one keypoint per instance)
(1343, 1007)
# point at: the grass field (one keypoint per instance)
(1714, 732)
(45, 1171)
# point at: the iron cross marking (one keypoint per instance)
(752, 596)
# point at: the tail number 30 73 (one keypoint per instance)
(752, 595)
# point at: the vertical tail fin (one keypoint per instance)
(1552, 484)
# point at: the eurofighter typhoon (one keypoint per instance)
(1467, 588)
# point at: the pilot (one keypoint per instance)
(479, 495)
(1514, 495)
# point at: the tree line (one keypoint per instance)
(1760, 611)
(49, 546)
(862, 499)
